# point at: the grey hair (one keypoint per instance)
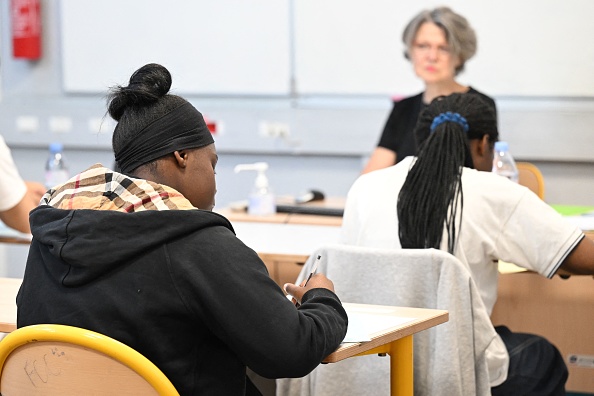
(459, 34)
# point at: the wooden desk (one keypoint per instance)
(15, 239)
(560, 310)
(9, 287)
(281, 218)
(291, 218)
(396, 342)
(8, 235)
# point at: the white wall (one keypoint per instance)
(528, 48)
(525, 48)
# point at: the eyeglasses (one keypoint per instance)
(425, 48)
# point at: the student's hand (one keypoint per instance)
(315, 282)
(35, 191)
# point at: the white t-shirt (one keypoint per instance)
(501, 220)
(12, 187)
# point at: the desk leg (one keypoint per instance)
(401, 367)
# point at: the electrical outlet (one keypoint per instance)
(101, 125)
(27, 124)
(274, 129)
(60, 124)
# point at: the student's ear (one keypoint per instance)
(484, 147)
(181, 157)
(482, 153)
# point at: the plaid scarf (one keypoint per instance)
(100, 188)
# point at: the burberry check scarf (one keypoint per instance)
(100, 188)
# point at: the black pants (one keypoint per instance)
(536, 368)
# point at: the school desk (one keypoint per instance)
(237, 212)
(397, 342)
(8, 235)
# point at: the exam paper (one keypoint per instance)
(363, 325)
(585, 221)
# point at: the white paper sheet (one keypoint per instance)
(585, 222)
(363, 325)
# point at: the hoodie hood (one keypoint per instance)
(100, 220)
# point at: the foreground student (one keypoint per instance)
(140, 257)
(447, 198)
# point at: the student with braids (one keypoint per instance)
(140, 256)
(447, 198)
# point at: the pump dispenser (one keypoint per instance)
(261, 201)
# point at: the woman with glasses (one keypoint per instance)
(438, 43)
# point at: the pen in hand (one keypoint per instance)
(313, 270)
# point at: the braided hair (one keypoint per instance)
(431, 195)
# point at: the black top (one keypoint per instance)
(179, 287)
(398, 134)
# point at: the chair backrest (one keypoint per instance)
(531, 177)
(64, 360)
(449, 359)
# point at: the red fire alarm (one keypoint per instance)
(26, 29)
(211, 125)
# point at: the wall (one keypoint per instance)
(331, 133)
(357, 53)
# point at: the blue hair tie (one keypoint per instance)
(449, 116)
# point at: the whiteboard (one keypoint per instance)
(525, 48)
(210, 47)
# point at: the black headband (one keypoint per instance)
(181, 128)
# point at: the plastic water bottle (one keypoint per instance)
(56, 169)
(503, 162)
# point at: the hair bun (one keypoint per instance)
(153, 78)
(147, 85)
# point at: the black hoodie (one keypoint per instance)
(179, 287)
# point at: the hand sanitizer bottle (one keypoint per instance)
(261, 200)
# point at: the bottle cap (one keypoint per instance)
(56, 147)
(501, 146)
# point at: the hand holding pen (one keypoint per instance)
(313, 281)
(313, 270)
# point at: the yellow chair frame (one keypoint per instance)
(531, 177)
(81, 342)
